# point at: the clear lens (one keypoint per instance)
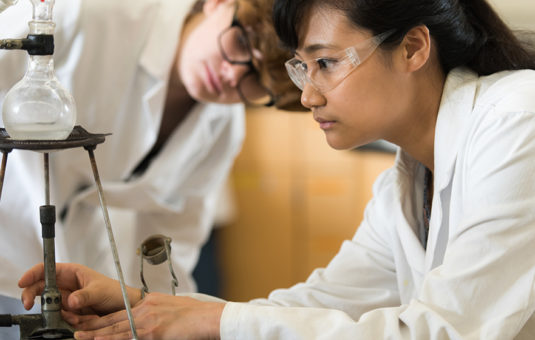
(296, 72)
(326, 73)
(235, 48)
(234, 45)
(253, 92)
(323, 74)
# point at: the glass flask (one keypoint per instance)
(38, 107)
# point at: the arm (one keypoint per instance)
(157, 316)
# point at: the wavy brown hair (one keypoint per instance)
(255, 16)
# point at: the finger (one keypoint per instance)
(30, 292)
(34, 274)
(89, 336)
(120, 330)
(85, 298)
(74, 319)
(69, 276)
(120, 336)
(65, 299)
(109, 320)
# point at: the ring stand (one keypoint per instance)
(49, 324)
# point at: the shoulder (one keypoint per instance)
(503, 100)
(502, 124)
(507, 91)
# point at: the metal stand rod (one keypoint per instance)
(47, 179)
(112, 240)
(3, 170)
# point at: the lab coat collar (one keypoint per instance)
(408, 193)
(457, 103)
(162, 42)
(458, 98)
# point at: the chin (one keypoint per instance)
(338, 144)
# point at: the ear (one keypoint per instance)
(416, 48)
(211, 5)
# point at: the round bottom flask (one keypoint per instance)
(38, 107)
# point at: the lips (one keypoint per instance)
(325, 123)
(212, 81)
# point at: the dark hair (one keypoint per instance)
(466, 32)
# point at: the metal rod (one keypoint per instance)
(47, 179)
(11, 44)
(112, 242)
(3, 170)
(174, 280)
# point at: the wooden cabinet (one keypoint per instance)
(296, 201)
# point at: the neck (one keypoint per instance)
(417, 136)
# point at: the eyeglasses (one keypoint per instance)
(236, 49)
(326, 73)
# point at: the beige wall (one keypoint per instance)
(517, 13)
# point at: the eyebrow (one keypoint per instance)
(316, 47)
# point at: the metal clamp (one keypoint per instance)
(156, 249)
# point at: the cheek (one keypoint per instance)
(367, 98)
(190, 78)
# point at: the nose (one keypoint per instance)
(232, 73)
(311, 97)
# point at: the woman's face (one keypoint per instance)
(367, 105)
(206, 75)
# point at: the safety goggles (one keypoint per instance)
(326, 73)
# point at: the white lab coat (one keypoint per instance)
(115, 57)
(476, 280)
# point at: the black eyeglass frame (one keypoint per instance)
(252, 69)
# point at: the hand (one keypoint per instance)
(157, 316)
(83, 290)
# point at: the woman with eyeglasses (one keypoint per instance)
(167, 79)
(445, 250)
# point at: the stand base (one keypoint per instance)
(31, 327)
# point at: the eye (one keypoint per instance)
(241, 42)
(325, 63)
(301, 65)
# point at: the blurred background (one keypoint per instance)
(291, 200)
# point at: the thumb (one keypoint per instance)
(81, 299)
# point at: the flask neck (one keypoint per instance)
(40, 67)
(42, 10)
(42, 22)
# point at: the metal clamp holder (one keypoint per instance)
(156, 249)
